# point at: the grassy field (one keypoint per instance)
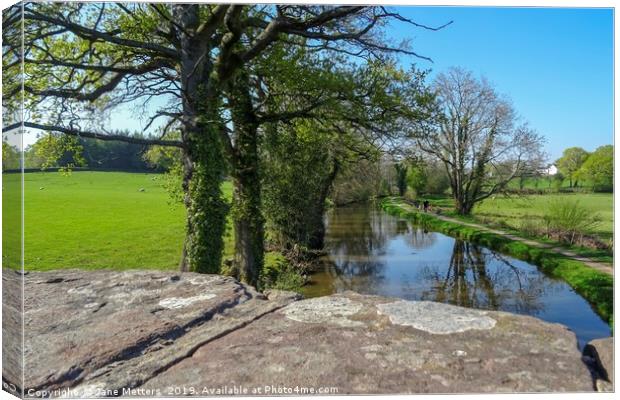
(512, 210)
(94, 220)
(509, 212)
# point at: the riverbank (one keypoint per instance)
(594, 285)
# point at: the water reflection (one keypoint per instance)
(479, 278)
(375, 253)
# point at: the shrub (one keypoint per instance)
(569, 220)
(410, 196)
(279, 273)
(529, 225)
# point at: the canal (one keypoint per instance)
(372, 252)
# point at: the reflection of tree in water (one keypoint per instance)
(353, 231)
(388, 227)
(355, 237)
(479, 278)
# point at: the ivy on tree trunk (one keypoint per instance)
(247, 216)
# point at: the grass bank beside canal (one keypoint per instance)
(593, 285)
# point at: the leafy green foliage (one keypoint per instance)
(556, 181)
(437, 180)
(163, 158)
(362, 180)
(53, 150)
(278, 273)
(100, 154)
(572, 159)
(333, 114)
(167, 159)
(417, 178)
(401, 177)
(10, 156)
(86, 59)
(298, 163)
(206, 208)
(599, 169)
(62, 150)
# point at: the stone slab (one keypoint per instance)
(116, 329)
(364, 345)
(137, 333)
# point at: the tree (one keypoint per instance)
(49, 151)
(572, 159)
(85, 59)
(599, 169)
(100, 154)
(287, 84)
(10, 156)
(352, 112)
(299, 166)
(401, 169)
(417, 178)
(473, 134)
(437, 181)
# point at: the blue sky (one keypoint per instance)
(555, 64)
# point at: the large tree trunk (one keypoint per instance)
(206, 208)
(246, 212)
(249, 228)
(463, 207)
(462, 203)
(203, 159)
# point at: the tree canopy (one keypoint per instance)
(598, 169)
(572, 159)
(219, 72)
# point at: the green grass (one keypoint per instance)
(594, 286)
(11, 221)
(95, 220)
(545, 183)
(112, 220)
(513, 209)
(508, 212)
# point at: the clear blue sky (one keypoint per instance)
(555, 64)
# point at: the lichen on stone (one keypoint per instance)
(180, 302)
(436, 318)
(336, 310)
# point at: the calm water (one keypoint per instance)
(372, 252)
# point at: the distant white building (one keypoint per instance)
(551, 170)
